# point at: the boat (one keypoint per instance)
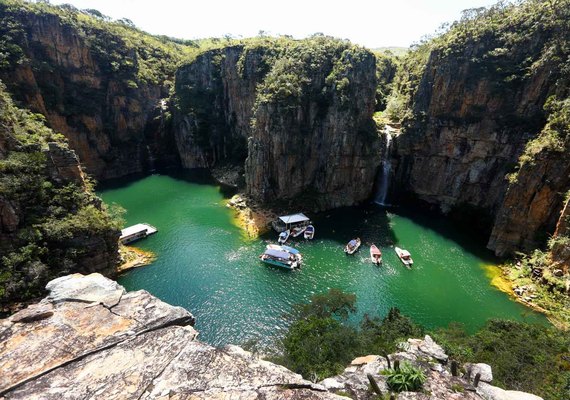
(296, 231)
(352, 246)
(136, 232)
(279, 258)
(288, 222)
(375, 254)
(309, 232)
(283, 236)
(291, 250)
(405, 256)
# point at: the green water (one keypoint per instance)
(206, 265)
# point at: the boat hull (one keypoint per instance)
(280, 264)
(375, 255)
(408, 262)
(309, 232)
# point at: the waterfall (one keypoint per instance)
(150, 158)
(384, 177)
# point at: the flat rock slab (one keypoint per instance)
(93, 288)
(94, 340)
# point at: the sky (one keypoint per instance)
(369, 23)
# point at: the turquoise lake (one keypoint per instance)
(206, 264)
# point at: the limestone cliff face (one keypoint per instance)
(50, 221)
(532, 205)
(306, 113)
(214, 107)
(85, 81)
(467, 135)
(477, 104)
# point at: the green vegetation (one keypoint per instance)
(404, 378)
(321, 342)
(554, 137)
(524, 357)
(506, 45)
(47, 220)
(545, 277)
(293, 65)
(119, 47)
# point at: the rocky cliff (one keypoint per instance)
(304, 107)
(474, 106)
(99, 83)
(50, 221)
(91, 339)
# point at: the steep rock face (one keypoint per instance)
(532, 205)
(305, 109)
(324, 149)
(471, 134)
(215, 103)
(483, 96)
(97, 102)
(50, 221)
(90, 338)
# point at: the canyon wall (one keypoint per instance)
(305, 109)
(94, 82)
(476, 105)
(50, 221)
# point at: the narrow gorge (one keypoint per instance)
(457, 150)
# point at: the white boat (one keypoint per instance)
(375, 254)
(309, 232)
(290, 221)
(136, 232)
(284, 236)
(352, 246)
(291, 250)
(279, 258)
(296, 231)
(405, 256)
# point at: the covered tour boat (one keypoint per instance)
(280, 258)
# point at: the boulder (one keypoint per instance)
(484, 369)
(489, 392)
(93, 288)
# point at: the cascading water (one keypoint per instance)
(150, 159)
(384, 178)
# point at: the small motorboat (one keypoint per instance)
(405, 256)
(375, 254)
(352, 246)
(283, 236)
(310, 232)
(298, 230)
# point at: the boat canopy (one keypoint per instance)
(294, 218)
(291, 250)
(352, 243)
(283, 234)
(277, 253)
(405, 253)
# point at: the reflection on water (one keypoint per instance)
(205, 265)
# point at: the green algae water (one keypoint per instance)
(206, 264)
